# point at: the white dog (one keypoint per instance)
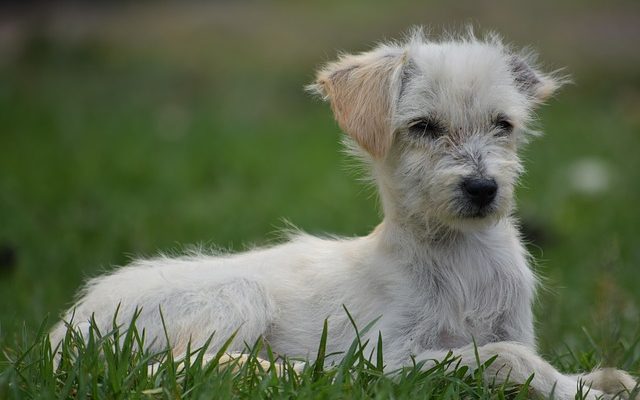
(439, 123)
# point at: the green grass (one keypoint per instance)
(108, 154)
(114, 365)
(117, 365)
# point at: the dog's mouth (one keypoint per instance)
(471, 218)
(477, 214)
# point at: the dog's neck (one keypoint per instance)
(419, 245)
(406, 227)
(407, 232)
(414, 236)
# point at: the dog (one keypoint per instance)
(438, 124)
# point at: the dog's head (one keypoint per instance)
(440, 121)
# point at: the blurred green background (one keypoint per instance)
(132, 128)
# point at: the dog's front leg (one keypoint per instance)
(516, 363)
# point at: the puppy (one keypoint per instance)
(439, 124)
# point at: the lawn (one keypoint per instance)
(111, 151)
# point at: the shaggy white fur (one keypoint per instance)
(439, 124)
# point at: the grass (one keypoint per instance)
(118, 365)
(114, 365)
(108, 154)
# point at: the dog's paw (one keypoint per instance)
(237, 360)
(611, 381)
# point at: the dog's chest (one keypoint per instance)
(462, 330)
(454, 306)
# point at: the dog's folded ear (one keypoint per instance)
(535, 84)
(361, 89)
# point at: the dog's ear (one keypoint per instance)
(535, 84)
(361, 89)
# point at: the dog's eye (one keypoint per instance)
(504, 126)
(425, 127)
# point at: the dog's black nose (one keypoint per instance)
(481, 192)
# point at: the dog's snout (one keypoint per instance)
(481, 192)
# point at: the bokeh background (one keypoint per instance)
(128, 128)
